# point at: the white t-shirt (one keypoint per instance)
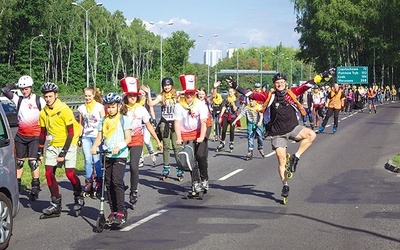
(90, 121)
(191, 122)
(136, 116)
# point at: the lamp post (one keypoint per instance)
(96, 52)
(161, 48)
(30, 54)
(237, 60)
(261, 64)
(87, 36)
(209, 62)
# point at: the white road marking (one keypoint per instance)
(270, 154)
(229, 175)
(125, 229)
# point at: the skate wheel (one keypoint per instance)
(231, 151)
(285, 200)
(42, 216)
(180, 178)
(164, 177)
(200, 195)
(77, 212)
(101, 221)
(289, 175)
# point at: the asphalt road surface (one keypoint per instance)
(341, 197)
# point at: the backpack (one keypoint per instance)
(37, 103)
(185, 158)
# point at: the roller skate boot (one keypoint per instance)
(321, 128)
(133, 197)
(293, 163)
(153, 157)
(285, 191)
(35, 189)
(179, 174)
(141, 162)
(249, 155)
(97, 188)
(204, 186)
(165, 172)
(88, 188)
(119, 218)
(334, 129)
(220, 146)
(261, 151)
(231, 146)
(54, 210)
(79, 202)
(111, 218)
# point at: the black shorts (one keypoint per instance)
(26, 146)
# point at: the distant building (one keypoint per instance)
(229, 53)
(212, 57)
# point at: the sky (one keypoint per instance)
(253, 22)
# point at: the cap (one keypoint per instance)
(130, 85)
(188, 83)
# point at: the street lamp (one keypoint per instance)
(237, 60)
(30, 54)
(87, 36)
(209, 62)
(261, 64)
(277, 58)
(161, 42)
(96, 52)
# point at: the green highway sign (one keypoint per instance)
(352, 74)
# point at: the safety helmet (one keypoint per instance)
(112, 98)
(24, 82)
(257, 85)
(167, 81)
(278, 76)
(49, 87)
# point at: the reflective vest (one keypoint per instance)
(336, 101)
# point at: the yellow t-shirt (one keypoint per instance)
(56, 121)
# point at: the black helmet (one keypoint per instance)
(167, 81)
(112, 98)
(49, 87)
(278, 76)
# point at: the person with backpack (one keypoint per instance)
(191, 125)
(133, 108)
(59, 126)
(27, 136)
(115, 132)
(284, 111)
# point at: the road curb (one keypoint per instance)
(389, 166)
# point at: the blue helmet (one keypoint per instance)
(112, 98)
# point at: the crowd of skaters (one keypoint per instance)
(123, 124)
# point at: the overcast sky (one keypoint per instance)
(255, 22)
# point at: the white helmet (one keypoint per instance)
(24, 82)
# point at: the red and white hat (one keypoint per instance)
(188, 83)
(130, 85)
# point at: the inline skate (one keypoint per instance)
(179, 174)
(35, 189)
(231, 146)
(79, 202)
(88, 188)
(220, 146)
(97, 188)
(165, 172)
(285, 193)
(249, 155)
(52, 211)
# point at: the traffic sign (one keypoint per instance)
(352, 74)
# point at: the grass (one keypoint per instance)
(396, 160)
(60, 172)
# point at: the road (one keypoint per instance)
(341, 197)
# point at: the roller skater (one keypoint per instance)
(335, 103)
(191, 126)
(35, 189)
(54, 210)
(220, 146)
(62, 147)
(284, 109)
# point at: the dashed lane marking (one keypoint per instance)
(125, 229)
(230, 174)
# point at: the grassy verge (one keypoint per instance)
(396, 160)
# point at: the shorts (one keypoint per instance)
(53, 152)
(26, 146)
(371, 101)
(280, 141)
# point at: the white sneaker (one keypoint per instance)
(141, 162)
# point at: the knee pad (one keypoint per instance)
(20, 164)
(33, 164)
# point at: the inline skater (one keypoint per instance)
(27, 137)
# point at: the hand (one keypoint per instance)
(145, 88)
(179, 142)
(60, 159)
(160, 146)
(80, 142)
(217, 84)
(200, 139)
(93, 151)
(115, 151)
